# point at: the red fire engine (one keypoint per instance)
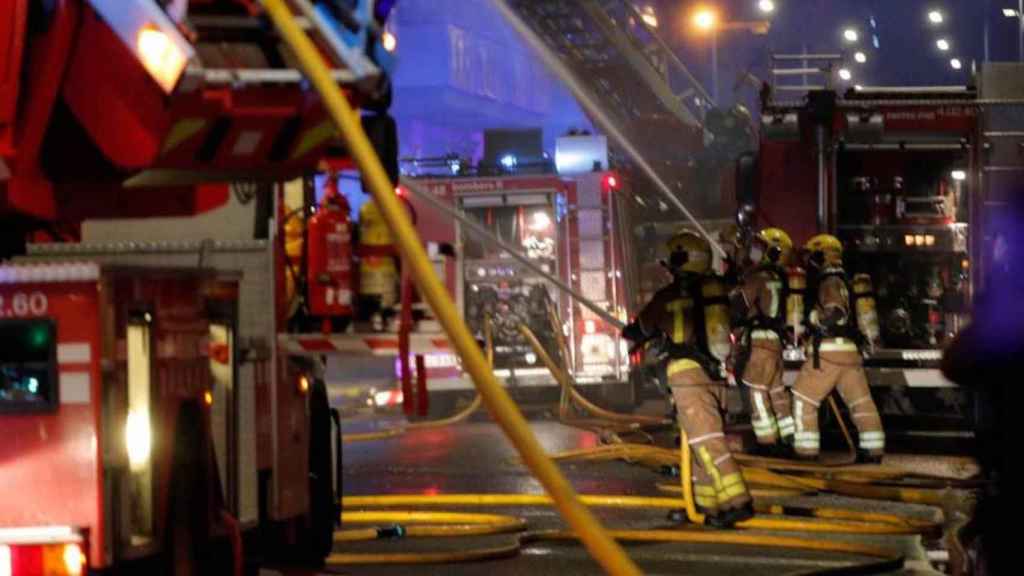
(570, 228)
(93, 357)
(905, 177)
(140, 376)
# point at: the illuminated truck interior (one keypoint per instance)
(906, 223)
(499, 288)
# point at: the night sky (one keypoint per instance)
(906, 53)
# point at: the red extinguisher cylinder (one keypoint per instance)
(329, 266)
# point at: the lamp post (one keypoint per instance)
(706, 20)
(1019, 15)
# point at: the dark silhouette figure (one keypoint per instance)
(988, 357)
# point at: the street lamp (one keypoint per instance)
(705, 19)
(1018, 13)
(845, 75)
(936, 17)
(851, 35)
(766, 6)
(943, 44)
(860, 57)
(956, 64)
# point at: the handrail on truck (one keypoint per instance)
(605, 550)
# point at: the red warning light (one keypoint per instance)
(611, 182)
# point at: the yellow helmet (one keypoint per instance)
(777, 238)
(829, 246)
(689, 252)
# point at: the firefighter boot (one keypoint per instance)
(731, 517)
(865, 457)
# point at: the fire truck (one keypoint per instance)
(909, 179)
(570, 227)
(158, 416)
(109, 377)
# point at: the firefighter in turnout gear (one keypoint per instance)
(834, 356)
(677, 325)
(758, 315)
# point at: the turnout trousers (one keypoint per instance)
(841, 368)
(718, 482)
(770, 401)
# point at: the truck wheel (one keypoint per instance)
(186, 526)
(321, 490)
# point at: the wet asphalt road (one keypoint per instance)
(475, 457)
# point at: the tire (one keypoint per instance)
(321, 489)
(187, 528)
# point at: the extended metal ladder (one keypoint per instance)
(610, 46)
(650, 95)
(235, 49)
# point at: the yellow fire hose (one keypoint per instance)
(893, 561)
(775, 509)
(565, 381)
(423, 524)
(858, 523)
(608, 553)
(931, 497)
(459, 416)
(428, 524)
(853, 480)
(605, 421)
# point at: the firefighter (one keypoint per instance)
(674, 326)
(834, 360)
(758, 314)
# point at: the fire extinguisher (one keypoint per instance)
(329, 265)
